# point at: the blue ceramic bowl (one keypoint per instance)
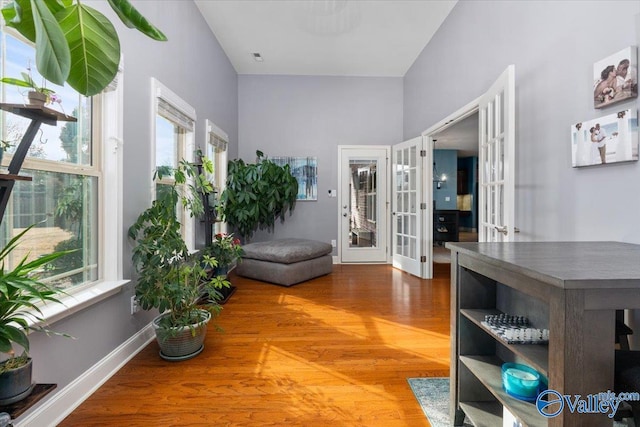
(521, 381)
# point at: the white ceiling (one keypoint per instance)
(461, 136)
(324, 37)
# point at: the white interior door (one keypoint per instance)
(407, 201)
(364, 205)
(497, 160)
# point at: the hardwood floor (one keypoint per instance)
(333, 351)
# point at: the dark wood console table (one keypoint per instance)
(571, 288)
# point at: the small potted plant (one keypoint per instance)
(20, 293)
(169, 278)
(226, 249)
(38, 95)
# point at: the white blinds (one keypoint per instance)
(169, 112)
(218, 143)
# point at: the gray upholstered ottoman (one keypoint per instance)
(286, 261)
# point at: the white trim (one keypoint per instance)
(161, 91)
(61, 404)
(211, 127)
(221, 172)
(189, 221)
(112, 185)
(88, 295)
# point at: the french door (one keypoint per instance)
(497, 160)
(364, 207)
(408, 206)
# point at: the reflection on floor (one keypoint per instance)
(442, 255)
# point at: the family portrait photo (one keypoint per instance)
(608, 139)
(615, 78)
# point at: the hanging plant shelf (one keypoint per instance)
(38, 114)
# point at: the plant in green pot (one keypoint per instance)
(21, 293)
(170, 279)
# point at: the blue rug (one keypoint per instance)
(433, 396)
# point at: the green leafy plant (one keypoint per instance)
(27, 82)
(257, 194)
(67, 32)
(20, 292)
(225, 248)
(169, 278)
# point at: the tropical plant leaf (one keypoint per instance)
(53, 58)
(15, 82)
(94, 48)
(17, 14)
(133, 19)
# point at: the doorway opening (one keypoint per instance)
(455, 185)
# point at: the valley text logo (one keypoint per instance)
(551, 403)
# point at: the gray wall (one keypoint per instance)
(193, 65)
(553, 46)
(311, 116)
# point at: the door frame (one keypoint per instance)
(452, 119)
(385, 205)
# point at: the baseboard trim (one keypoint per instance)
(61, 404)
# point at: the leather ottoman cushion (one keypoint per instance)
(286, 251)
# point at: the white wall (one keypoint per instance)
(553, 46)
(311, 116)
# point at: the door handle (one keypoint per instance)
(344, 207)
(502, 229)
(344, 214)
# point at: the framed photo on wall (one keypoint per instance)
(305, 171)
(615, 78)
(608, 139)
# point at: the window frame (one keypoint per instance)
(161, 92)
(219, 160)
(107, 166)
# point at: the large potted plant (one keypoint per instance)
(169, 278)
(21, 292)
(257, 194)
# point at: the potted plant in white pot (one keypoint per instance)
(21, 292)
(169, 278)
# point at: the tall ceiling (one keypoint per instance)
(324, 37)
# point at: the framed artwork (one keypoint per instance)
(608, 139)
(615, 78)
(305, 171)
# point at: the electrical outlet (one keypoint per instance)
(134, 305)
(333, 243)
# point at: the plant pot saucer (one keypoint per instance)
(18, 397)
(181, 358)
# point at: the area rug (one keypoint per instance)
(433, 396)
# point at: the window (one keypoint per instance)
(173, 135)
(63, 198)
(217, 141)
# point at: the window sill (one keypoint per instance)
(78, 301)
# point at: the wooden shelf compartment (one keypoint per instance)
(488, 371)
(536, 355)
(483, 414)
